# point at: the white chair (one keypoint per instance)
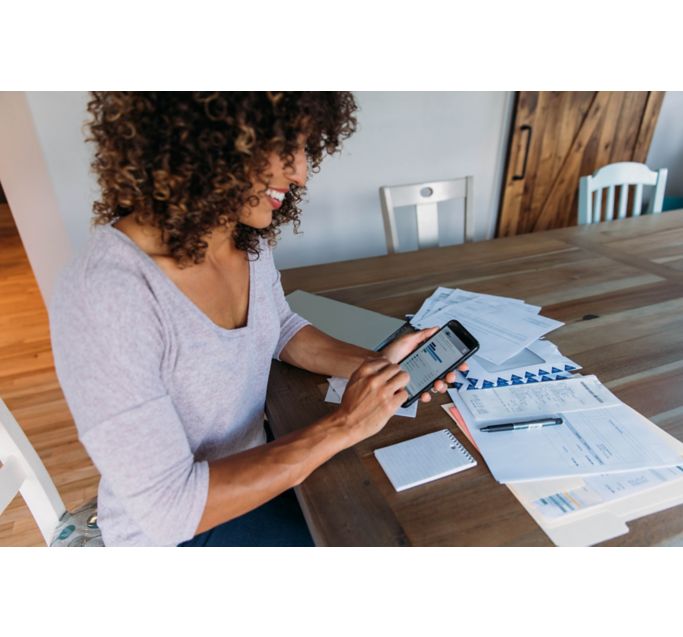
(426, 197)
(622, 175)
(23, 472)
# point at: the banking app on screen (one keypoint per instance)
(433, 359)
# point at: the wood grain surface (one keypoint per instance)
(617, 286)
(567, 135)
(29, 387)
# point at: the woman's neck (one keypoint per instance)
(221, 247)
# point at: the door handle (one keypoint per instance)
(527, 128)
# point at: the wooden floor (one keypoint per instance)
(29, 387)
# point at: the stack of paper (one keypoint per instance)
(599, 433)
(503, 326)
(509, 332)
(582, 480)
(540, 361)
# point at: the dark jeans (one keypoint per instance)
(278, 522)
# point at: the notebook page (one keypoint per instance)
(419, 460)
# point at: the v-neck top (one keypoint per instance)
(156, 388)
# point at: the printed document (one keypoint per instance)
(604, 488)
(540, 400)
(503, 326)
(599, 434)
(538, 362)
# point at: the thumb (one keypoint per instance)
(425, 334)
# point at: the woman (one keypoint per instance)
(165, 328)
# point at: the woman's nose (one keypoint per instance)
(298, 172)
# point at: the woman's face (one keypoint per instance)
(271, 194)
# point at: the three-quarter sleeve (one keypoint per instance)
(109, 347)
(290, 322)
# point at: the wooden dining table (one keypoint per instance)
(618, 289)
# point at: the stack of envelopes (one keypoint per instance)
(509, 331)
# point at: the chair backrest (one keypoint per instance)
(425, 197)
(621, 175)
(23, 472)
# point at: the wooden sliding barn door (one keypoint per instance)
(560, 136)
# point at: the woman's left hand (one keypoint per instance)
(401, 347)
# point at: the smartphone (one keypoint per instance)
(451, 346)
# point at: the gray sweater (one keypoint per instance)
(155, 387)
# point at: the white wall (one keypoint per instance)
(666, 150)
(59, 120)
(30, 190)
(402, 138)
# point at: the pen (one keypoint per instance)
(527, 424)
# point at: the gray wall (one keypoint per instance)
(59, 120)
(666, 150)
(30, 190)
(402, 137)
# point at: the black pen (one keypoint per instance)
(527, 424)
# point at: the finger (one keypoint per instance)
(450, 377)
(389, 375)
(395, 377)
(464, 367)
(425, 398)
(440, 386)
(414, 339)
(420, 337)
(373, 366)
(427, 333)
(399, 398)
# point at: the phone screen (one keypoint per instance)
(432, 359)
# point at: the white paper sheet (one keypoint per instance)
(522, 402)
(603, 488)
(503, 326)
(536, 362)
(501, 335)
(607, 439)
(447, 297)
(438, 298)
(602, 520)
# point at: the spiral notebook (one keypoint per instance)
(422, 459)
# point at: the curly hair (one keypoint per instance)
(185, 163)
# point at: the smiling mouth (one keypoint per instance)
(275, 197)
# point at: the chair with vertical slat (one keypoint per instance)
(23, 471)
(620, 175)
(425, 197)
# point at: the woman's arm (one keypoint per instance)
(315, 351)
(244, 481)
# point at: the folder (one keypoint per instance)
(345, 322)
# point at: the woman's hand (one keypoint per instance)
(401, 347)
(373, 394)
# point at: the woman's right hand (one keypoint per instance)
(373, 394)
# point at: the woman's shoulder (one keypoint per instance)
(110, 268)
(265, 252)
